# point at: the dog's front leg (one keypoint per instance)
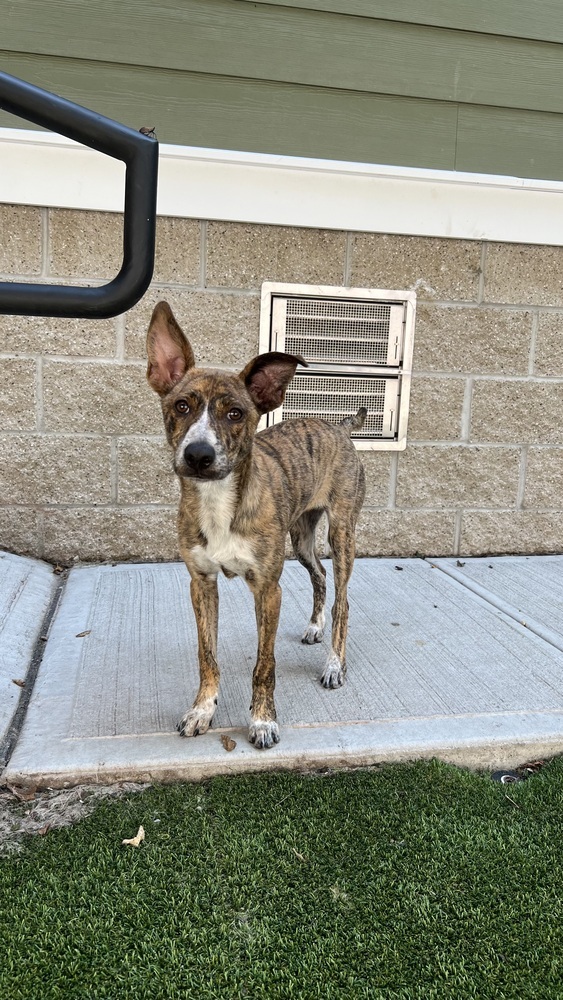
(264, 731)
(205, 601)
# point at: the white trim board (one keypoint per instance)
(40, 168)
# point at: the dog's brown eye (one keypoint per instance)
(181, 406)
(234, 414)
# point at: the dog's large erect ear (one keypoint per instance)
(168, 350)
(267, 377)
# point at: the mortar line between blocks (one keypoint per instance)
(120, 338)
(348, 253)
(39, 403)
(456, 545)
(488, 597)
(465, 429)
(202, 253)
(41, 533)
(533, 342)
(522, 477)
(394, 472)
(113, 480)
(481, 289)
(45, 240)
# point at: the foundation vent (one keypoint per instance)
(358, 344)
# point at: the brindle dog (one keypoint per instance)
(241, 492)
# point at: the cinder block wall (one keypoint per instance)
(85, 472)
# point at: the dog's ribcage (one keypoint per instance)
(225, 549)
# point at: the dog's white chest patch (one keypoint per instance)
(225, 550)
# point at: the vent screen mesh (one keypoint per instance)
(333, 330)
(333, 397)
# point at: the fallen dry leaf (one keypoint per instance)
(44, 829)
(23, 794)
(227, 742)
(80, 635)
(135, 841)
(532, 765)
(21, 684)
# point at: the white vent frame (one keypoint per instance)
(394, 367)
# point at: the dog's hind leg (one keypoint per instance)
(303, 539)
(342, 543)
(205, 601)
(342, 520)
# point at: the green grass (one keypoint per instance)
(414, 881)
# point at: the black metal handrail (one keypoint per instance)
(140, 155)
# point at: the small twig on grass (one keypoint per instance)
(298, 855)
(515, 804)
(288, 796)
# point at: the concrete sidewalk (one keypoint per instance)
(460, 660)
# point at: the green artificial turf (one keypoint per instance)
(409, 881)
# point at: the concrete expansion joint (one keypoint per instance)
(542, 631)
(10, 739)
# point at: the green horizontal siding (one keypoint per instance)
(224, 112)
(542, 19)
(291, 45)
(510, 142)
(310, 78)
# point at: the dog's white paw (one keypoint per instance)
(334, 672)
(263, 734)
(313, 633)
(315, 630)
(198, 719)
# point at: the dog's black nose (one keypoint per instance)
(198, 456)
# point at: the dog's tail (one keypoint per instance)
(356, 422)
